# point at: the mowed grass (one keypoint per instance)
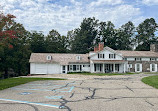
(102, 74)
(151, 80)
(11, 82)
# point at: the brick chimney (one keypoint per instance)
(154, 47)
(96, 48)
(100, 47)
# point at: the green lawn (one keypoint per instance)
(101, 74)
(151, 80)
(11, 82)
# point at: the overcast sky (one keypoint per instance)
(66, 15)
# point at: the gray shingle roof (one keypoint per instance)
(63, 59)
(138, 53)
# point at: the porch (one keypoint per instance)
(108, 67)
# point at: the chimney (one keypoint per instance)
(96, 48)
(154, 47)
(101, 46)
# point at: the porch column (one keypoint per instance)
(114, 67)
(124, 70)
(103, 68)
(92, 68)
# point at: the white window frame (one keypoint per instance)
(152, 59)
(77, 67)
(97, 67)
(153, 66)
(138, 59)
(112, 56)
(140, 67)
(70, 67)
(49, 57)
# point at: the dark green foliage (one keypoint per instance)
(146, 34)
(85, 35)
(107, 34)
(37, 42)
(55, 43)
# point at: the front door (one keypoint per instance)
(63, 69)
(108, 68)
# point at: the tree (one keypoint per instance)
(55, 43)
(6, 37)
(124, 36)
(107, 34)
(146, 34)
(37, 42)
(85, 35)
(14, 51)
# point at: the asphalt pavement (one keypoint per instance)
(106, 93)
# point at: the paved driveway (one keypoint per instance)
(106, 93)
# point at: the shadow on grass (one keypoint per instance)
(11, 82)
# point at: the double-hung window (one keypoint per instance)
(100, 55)
(112, 56)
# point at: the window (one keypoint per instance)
(117, 67)
(112, 56)
(138, 59)
(74, 67)
(138, 67)
(129, 65)
(100, 55)
(153, 67)
(70, 67)
(97, 67)
(125, 59)
(86, 65)
(152, 59)
(64, 71)
(49, 57)
(77, 67)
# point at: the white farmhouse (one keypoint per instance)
(101, 60)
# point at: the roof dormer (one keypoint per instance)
(78, 57)
(49, 57)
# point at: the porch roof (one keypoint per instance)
(109, 61)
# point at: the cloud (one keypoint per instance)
(150, 2)
(106, 2)
(44, 15)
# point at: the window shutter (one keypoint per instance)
(95, 67)
(155, 67)
(80, 67)
(140, 67)
(103, 55)
(68, 68)
(135, 67)
(150, 67)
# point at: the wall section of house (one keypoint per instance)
(145, 65)
(106, 56)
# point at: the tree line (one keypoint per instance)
(17, 43)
